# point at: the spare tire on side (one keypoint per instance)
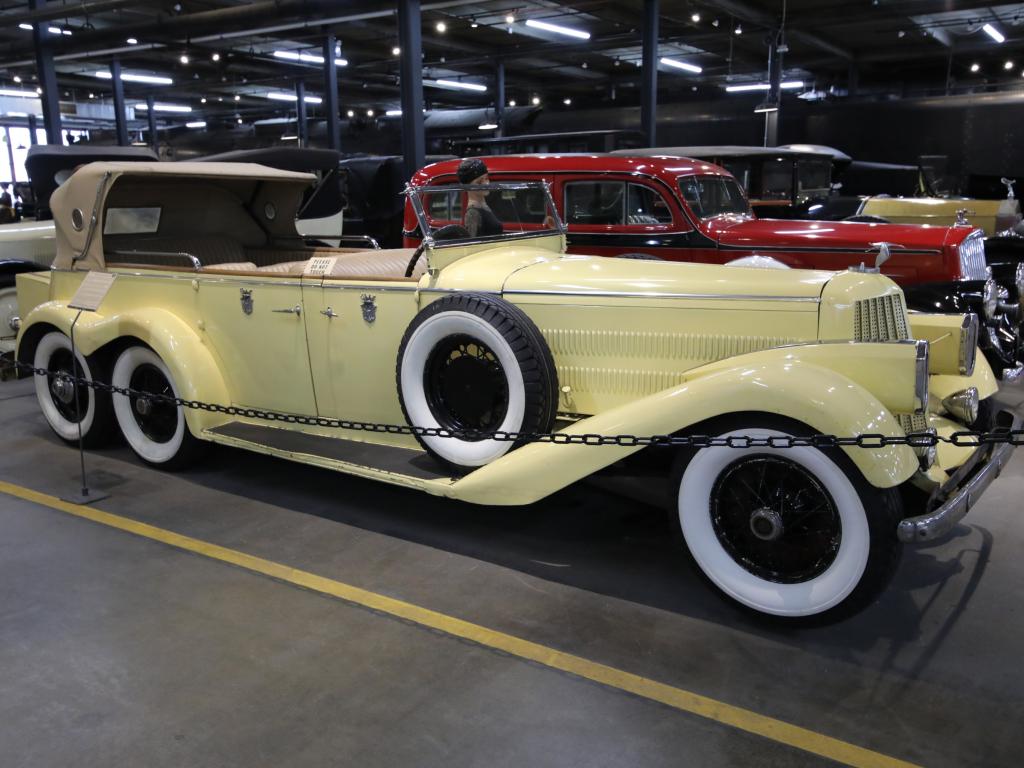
(474, 362)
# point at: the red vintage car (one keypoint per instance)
(687, 210)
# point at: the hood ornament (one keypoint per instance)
(961, 216)
(246, 299)
(369, 307)
(884, 254)
(1009, 186)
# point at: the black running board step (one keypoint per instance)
(387, 458)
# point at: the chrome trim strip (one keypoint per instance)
(968, 354)
(94, 218)
(924, 528)
(193, 260)
(659, 295)
(921, 377)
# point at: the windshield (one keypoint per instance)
(814, 178)
(710, 196)
(471, 212)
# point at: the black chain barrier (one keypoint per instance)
(963, 438)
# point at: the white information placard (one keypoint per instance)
(92, 291)
(320, 266)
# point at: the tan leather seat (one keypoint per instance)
(390, 262)
(285, 268)
(232, 266)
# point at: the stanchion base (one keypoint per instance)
(80, 498)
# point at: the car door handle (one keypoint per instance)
(329, 313)
(296, 310)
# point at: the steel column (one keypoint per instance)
(300, 111)
(410, 40)
(33, 126)
(151, 117)
(10, 159)
(120, 116)
(649, 75)
(331, 94)
(499, 97)
(50, 97)
(771, 119)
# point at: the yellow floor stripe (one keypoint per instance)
(693, 703)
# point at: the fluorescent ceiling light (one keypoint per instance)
(289, 138)
(53, 30)
(458, 85)
(994, 33)
(132, 41)
(196, 124)
(487, 126)
(579, 34)
(307, 58)
(787, 85)
(130, 77)
(17, 114)
(766, 107)
(25, 26)
(681, 65)
(282, 96)
(18, 94)
(393, 113)
(165, 107)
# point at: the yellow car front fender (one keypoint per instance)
(824, 400)
(191, 363)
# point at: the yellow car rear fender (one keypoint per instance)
(825, 401)
(193, 367)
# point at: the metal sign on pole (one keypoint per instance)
(87, 298)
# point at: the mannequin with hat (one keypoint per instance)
(480, 219)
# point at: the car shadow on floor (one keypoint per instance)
(589, 538)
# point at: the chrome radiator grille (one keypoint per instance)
(883, 318)
(972, 257)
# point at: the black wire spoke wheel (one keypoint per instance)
(157, 419)
(775, 519)
(64, 392)
(466, 385)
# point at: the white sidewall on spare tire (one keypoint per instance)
(805, 599)
(68, 430)
(150, 450)
(8, 310)
(465, 453)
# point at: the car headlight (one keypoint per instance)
(963, 405)
(969, 330)
(990, 299)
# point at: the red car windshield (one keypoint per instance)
(710, 196)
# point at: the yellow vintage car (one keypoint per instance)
(483, 343)
(992, 216)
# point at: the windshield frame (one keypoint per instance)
(415, 194)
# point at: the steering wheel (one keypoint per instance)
(449, 232)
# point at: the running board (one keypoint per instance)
(401, 466)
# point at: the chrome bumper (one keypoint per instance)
(940, 521)
(1013, 375)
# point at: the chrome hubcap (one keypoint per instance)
(63, 390)
(766, 524)
(143, 406)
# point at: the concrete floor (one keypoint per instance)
(115, 650)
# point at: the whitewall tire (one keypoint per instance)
(57, 397)
(155, 431)
(475, 362)
(789, 532)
